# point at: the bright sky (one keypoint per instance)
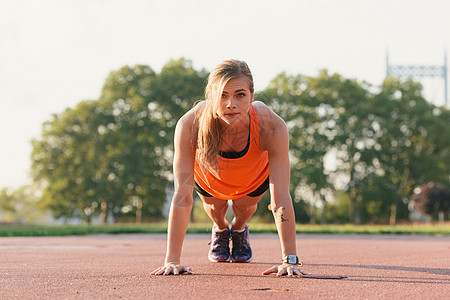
(55, 53)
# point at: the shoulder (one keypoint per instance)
(191, 116)
(187, 126)
(266, 116)
(272, 128)
(190, 119)
(268, 120)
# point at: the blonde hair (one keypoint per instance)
(209, 136)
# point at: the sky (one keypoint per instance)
(56, 53)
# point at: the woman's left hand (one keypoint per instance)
(286, 269)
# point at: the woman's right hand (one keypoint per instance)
(172, 268)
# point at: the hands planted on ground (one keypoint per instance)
(280, 270)
(285, 269)
(172, 269)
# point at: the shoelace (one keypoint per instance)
(220, 239)
(241, 239)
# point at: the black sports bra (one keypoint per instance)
(239, 154)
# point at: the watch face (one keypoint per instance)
(292, 259)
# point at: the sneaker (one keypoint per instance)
(219, 250)
(241, 251)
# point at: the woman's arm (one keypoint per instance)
(182, 199)
(275, 139)
(281, 202)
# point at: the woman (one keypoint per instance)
(231, 148)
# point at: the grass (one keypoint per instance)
(62, 230)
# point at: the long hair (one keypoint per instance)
(209, 137)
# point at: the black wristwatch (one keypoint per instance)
(292, 260)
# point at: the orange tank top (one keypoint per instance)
(237, 177)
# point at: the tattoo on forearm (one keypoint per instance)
(280, 215)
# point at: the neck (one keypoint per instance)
(241, 125)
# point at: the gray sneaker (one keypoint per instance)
(219, 250)
(241, 252)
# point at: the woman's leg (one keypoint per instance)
(243, 209)
(219, 250)
(216, 209)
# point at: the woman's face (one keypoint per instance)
(235, 102)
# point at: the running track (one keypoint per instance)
(118, 267)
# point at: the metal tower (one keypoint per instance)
(417, 71)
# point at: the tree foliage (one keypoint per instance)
(375, 144)
(113, 155)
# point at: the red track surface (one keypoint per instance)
(118, 267)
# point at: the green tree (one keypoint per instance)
(413, 142)
(340, 106)
(146, 107)
(114, 155)
(70, 161)
(135, 140)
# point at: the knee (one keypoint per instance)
(243, 207)
(215, 205)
